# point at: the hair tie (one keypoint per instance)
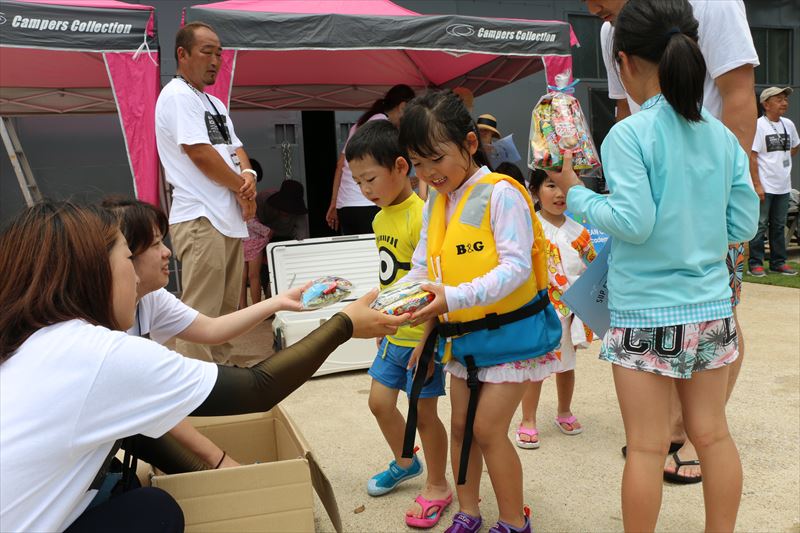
(672, 31)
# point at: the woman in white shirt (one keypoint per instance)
(349, 209)
(72, 383)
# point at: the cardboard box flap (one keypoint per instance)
(319, 480)
(324, 490)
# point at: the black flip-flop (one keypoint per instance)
(676, 477)
(673, 447)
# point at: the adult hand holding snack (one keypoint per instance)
(369, 323)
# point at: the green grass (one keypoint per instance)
(773, 278)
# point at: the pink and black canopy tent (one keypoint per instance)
(85, 56)
(297, 54)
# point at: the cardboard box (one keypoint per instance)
(273, 495)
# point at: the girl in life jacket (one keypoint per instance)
(491, 317)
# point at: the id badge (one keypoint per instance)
(787, 162)
(235, 159)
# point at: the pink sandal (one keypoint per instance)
(567, 420)
(527, 444)
(429, 519)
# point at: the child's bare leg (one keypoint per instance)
(469, 492)
(736, 366)
(433, 435)
(678, 434)
(565, 387)
(254, 275)
(530, 403)
(704, 399)
(383, 404)
(644, 403)
(496, 407)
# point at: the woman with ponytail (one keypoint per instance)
(349, 210)
(680, 192)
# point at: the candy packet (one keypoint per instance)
(557, 125)
(402, 298)
(325, 291)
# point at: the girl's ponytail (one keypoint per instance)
(664, 32)
(681, 74)
(393, 98)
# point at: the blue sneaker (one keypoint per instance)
(387, 480)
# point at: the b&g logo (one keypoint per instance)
(468, 248)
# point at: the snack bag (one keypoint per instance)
(558, 124)
(402, 298)
(325, 291)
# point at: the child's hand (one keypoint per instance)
(567, 177)
(437, 307)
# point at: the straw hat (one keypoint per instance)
(488, 122)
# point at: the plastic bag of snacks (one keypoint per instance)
(325, 291)
(558, 124)
(402, 298)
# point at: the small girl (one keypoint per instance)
(680, 192)
(569, 249)
(477, 238)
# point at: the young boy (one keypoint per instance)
(380, 168)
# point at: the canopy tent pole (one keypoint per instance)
(27, 183)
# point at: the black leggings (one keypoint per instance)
(248, 390)
(145, 509)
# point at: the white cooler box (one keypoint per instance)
(293, 263)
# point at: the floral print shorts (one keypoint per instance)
(673, 351)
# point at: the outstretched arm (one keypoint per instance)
(207, 330)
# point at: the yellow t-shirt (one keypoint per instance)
(397, 229)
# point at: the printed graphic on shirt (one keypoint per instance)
(390, 266)
(777, 142)
(217, 128)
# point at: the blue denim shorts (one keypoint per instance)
(389, 369)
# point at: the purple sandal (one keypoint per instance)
(502, 527)
(464, 523)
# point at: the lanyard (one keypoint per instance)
(217, 117)
(785, 138)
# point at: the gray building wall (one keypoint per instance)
(83, 157)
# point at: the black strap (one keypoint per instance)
(417, 385)
(221, 122)
(129, 464)
(492, 320)
(474, 386)
(101, 474)
(455, 329)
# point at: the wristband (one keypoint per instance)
(250, 171)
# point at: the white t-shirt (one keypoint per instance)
(185, 117)
(161, 316)
(724, 39)
(349, 193)
(773, 142)
(66, 396)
